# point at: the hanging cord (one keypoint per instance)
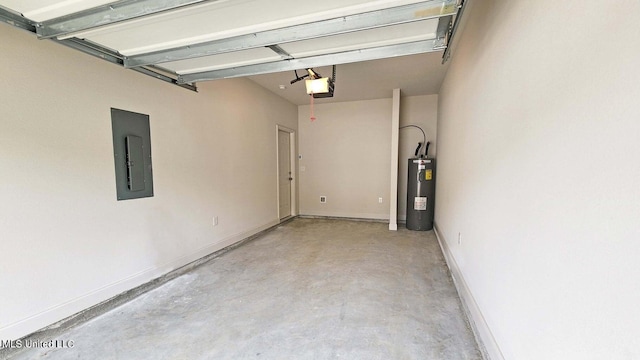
(313, 117)
(424, 138)
(333, 80)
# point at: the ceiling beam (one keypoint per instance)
(369, 20)
(376, 53)
(280, 51)
(107, 14)
(86, 47)
(114, 58)
(16, 20)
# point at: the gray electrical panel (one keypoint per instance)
(132, 154)
(421, 193)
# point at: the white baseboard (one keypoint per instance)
(482, 332)
(59, 312)
(381, 216)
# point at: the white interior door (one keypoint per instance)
(284, 174)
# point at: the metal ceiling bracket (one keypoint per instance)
(369, 20)
(107, 14)
(157, 75)
(452, 31)
(280, 51)
(92, 49)
(115, 58)
(444, 26)
(16, 20)
(86, 47)
(382, 52)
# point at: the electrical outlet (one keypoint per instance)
(323, 199)
(379, 200)
(215, 221)
(459, 239)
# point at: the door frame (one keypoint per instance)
(292, 160)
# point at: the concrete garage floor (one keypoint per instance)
(309, 289)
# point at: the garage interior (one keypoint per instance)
(532, 119)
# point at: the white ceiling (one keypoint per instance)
(415, 75)
(201, 40)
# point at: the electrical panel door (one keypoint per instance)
(132, 154)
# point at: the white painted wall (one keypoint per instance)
(421, 111)
(538, 147)
(345, 157)
(359, 130)
(66, 242)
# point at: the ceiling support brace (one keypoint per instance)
(106, 15)
(280, 51)
(452, 31)
(16, 20)
(86, 47)
(382, 52)
(444, 25)
(424, 10)
(448, 13)
(114, 58)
